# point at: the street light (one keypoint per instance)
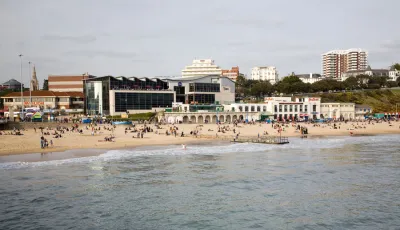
(30, 88)
(22, 88)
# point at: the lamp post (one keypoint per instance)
(30, 81)
(22, 88)
(396, 111)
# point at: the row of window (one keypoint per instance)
(142, 101)
(41, 99)
(337, 105)
(293, 108)
(252, 109)
(202, 98)
(204, 87)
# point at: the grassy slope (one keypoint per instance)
(379, 100)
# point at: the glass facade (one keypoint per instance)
(123, 83)
(202, 98)
(142, 101)
(204, 87)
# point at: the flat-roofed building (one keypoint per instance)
(67, 83)
(45, 100)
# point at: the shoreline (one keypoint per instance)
(29, 142)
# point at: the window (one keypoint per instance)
(280, 108)
(264, 108)
(204, 87)
(252, 109)
(258, 108)
(202, 98)
(290, 108)
(301, 108)
(275, 108)
(179, 89)
(314, 108)
(305, 108)
(295, 108)
(142, 101)
(246, 109)
(233, 109)
(240, 109)
(285, 108)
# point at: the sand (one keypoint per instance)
(30, 141)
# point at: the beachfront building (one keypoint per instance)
(120, 95)
(266, 73)
(201, 67)
(280, 108)
(231, 73)
(212, 89)
(362, 111)
(69, 102)
(309, 78)
(67, 83)
(338, 111)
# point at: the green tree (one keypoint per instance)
(45, 85)
(351, 83)
(397, 66)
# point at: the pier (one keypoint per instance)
(277, 140)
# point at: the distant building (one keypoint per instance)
(201, 67)
(68, 101)
(232, 73)
(267, 73)
(338, 111)
(67, 83)
(11, 84)
(391, 73)
(310, 78)
(361, 111)
(336, 62)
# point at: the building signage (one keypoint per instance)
(179, 84)
(313, 99)
(34, 103)
(269, 99)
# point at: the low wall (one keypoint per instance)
(31, 125)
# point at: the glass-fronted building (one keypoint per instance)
(115, 95)
(203, 90)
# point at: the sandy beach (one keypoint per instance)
(29, 142)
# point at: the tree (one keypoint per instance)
(391, 84)
(397, 66)
(45, 85)
(378, 80)
(351, 83)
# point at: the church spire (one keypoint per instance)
(34, 80)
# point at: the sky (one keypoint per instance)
(159, 37)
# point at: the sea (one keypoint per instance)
(312, 183)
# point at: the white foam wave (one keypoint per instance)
(295, 143)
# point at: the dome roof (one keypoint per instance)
(12, 82)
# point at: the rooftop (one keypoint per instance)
(12, 82)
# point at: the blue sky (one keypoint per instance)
(160, 37)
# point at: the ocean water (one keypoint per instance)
(321, 183)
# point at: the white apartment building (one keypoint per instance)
(267, 73)
(336, 62)
(201, 67)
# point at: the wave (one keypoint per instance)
(295, 143)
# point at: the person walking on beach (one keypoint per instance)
(51, 143)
